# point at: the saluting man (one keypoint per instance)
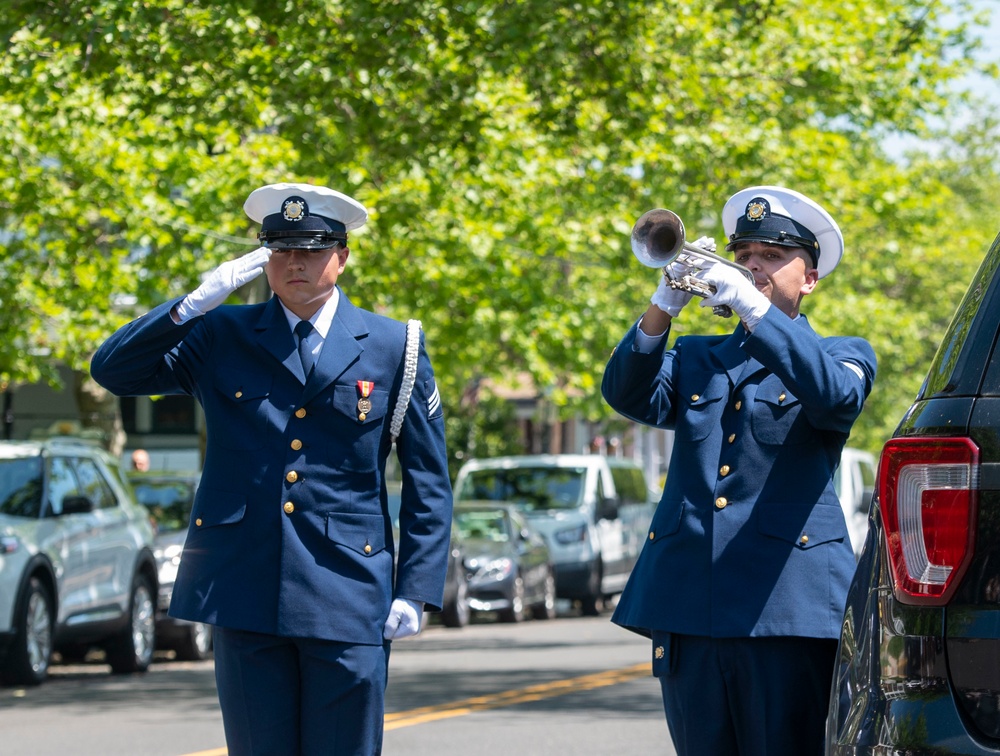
(289, 553)
(742, 581)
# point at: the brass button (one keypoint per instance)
(658, 652)
(724, 471)
(198, 522)
(296, 444)
(239, 394)
(804, 539)
(368, 548)
(781, 397)
(652, 535)
(695, 397)
(732, 437)
(721, 502)
(362, 416)
(292, 476)
(289, 507)
(300, 412)
(738, 404)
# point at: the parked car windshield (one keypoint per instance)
(486, 525)
(531, 488)
(169, 502)
(21, 487)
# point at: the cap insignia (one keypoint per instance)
(756, 210)
(294, 209)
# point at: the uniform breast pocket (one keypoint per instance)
(700, 415)
(359, 422)
(238, 417)
(777, 416)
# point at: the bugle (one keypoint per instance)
(658, 242)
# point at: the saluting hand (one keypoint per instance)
(223, 281)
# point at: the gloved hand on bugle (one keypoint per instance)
(672, 300)
(733, 289)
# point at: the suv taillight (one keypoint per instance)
(928, 493)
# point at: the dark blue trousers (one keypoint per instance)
(299, 696)
(745, 696)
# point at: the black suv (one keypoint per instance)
(918, 669)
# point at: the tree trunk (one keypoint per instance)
(99, 409)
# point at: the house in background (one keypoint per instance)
(170, 428)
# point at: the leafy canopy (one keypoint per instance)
(504, 150)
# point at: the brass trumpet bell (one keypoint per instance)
(658, 241)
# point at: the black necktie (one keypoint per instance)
(302, 331)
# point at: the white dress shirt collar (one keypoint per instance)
(321, 320)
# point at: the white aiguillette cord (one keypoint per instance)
(409, 377)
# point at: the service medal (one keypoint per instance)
(364, 403)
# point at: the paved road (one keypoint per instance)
(573, 685)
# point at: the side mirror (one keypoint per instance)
(607, 509)
(77, 505)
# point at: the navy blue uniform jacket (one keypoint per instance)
(290, 533)
(749, 537)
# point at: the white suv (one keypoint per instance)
(76, 560)
(855, 483)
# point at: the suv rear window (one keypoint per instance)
(955, 369)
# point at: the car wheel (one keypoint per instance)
(516, 611)
(196, 644)
(592, 604)
(547, 608)
(132, 649)
(28, 656)
(457, 613)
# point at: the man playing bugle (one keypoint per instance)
(742, 580)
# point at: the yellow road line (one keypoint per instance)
(424, 714)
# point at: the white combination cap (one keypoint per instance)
(303, 216)
(775, 215)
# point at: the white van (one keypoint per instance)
(855, 484)
(593, 512)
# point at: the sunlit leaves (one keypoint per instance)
(504, 150)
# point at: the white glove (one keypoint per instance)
(669, 299)
(672, 300)
(707, 243)
(404, 619)
(223, 281)
(733, 289)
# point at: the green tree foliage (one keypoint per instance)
(504, 150)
